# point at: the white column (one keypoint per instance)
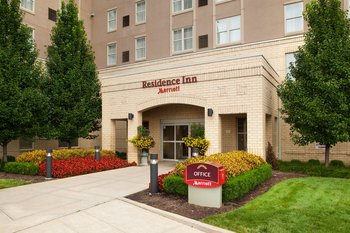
(132, 131)
(213, 132)
(256, 133)
(108, 134)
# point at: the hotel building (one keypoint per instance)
(166, 64)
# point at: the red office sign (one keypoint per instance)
(205, 175)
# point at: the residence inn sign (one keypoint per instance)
(162, 84)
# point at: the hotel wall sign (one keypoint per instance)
(169, 85)
(205, 175)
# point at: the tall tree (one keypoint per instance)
(316, 96)
(21, 99)
(73, 87)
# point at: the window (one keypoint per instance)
(293, 17)
(126, 21)
(242, 134)
(203, 41)
(26, 144)
(202, 3)
(125, 56)
(74, 143)
(112, 20)
(28, 4)
(140, 11)
(228, 30)
(112, 54)
(290, 59)
(182, 39)
(181, 5)
(52, 15)
(140, 49)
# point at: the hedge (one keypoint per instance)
(21, 168)
(235, 187)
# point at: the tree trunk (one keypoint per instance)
(326, 160)
(4, 152)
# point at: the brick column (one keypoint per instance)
(132, 131)
(256, 133)
(213, 132)
(108, 134)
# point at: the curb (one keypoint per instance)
(178, 218)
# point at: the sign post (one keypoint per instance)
(205, 182)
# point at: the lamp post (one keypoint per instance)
(97, 153)
(154, 173)
(49, 163)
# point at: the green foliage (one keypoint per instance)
(73, 85)
(22, 103)
(235, 162)
(21, 168)
(314, 162)
(337, 163)
(197, 130)
(197, 139)
(143, 131)
(8, 183)
(238, 186)
(300, 205)
(271, 157)
(316, 95)
(11, 158)
(142, 140)
(175, 184)
(39, 156)
(121, 155)
(314, 169)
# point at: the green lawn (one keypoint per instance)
(310, 204)
(11, 183)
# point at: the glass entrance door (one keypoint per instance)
(173, 146)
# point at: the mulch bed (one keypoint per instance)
(33, 179)
(179, 205)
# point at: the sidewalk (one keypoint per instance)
(90, 203)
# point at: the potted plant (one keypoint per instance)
(196, 141)
(143, 141)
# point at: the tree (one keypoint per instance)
(73, 86)
(21, 99)
(316, 96)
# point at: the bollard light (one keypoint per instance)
(49, 163)
(154, 173)
(97, 153)
(195, 152)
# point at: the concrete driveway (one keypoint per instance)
(90, 203)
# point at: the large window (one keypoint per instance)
(182, 39)
(293, 17)
(242, 134)
(26, 144)
(181, 5)
(140, 48)
(140, 11)
(111, 54)
(112, 20)
(63, 144)
(228, 30)
(290, 59)
(27, 4)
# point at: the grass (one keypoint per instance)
(6, 183)
(310, 204)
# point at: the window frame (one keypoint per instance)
(109, 29)
(137, 12)
(136, 48)
(228, 22)
(115, 54)
(183, 50)
(26, 149)
(27, 9)
(293, 18)
(183, 9)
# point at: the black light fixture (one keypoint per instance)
(130, 116)
(210, 112)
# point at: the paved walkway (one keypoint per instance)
(90, 203)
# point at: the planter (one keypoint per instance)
(144, 158)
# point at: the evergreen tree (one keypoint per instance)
(21, 99)
(73, 86)
(316, 96)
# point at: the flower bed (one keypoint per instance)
(77, 166)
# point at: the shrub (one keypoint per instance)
(296, 161)
(121, 155)
(39, 156)
(11, 158)
(77, 166)
(235, 162)
(271, 157)
(238, 186)
(175, 184)
(314, 162)
(21, 168)
(337, 163)
(161, 179)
